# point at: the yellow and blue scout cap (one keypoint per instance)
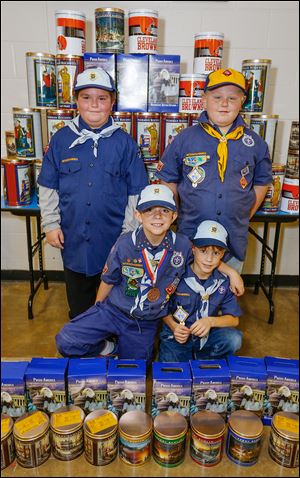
(210, 233)
(225, 76)
(95, 78)
(156, 195)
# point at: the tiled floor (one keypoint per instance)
(26, 338)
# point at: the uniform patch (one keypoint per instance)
(159, 166)
(248, 140)
(177, 259)
(67, 160)
(221, 289)
(180, 314)
(195, 159)
(134, 272)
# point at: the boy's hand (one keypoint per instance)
(236, 284)
(55, 238)
(201, 327)
(181, 333)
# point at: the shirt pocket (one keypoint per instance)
(114, 181)
(69, 176)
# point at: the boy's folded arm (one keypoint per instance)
(103, 291)
(236, 281)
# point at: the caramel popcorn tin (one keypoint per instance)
(7, 441)
(100, 437)
(135, 433)
(66, 431)
(284, 439)
(207, 437)
(169, 437)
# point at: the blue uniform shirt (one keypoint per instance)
(190, 301)
(93, 192)
(191, 161)
(126, 270)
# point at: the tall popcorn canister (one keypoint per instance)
(109, 30)
(135, 436)
(28, 132)
(10, 144)
(171, 125)
(66, 432)
(100, 430)
(265, 126)
(143, 27)
(37, 169)
(207, 437)
(146, 132)
(7, 441)
(244, 437)
(272, 199)
(169, 438)
(70, 32)
(17, 181)
(284, 439)
(41, 79)
(256, 73)
(292, 164)
(67, 69)
(294, 136)
(290, 195)
(123, 119)
(57, 119)
(191, 88)
(208, 52)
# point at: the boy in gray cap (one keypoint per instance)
(91, 176)
(193, 329)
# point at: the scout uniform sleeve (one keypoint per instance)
(50, 214)
(49, 175)
(169, 168)
(263, 168)
(112, 273)
(230, 305)
(136, 174)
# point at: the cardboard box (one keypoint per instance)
(163, 87)
(46, 384)
(132, 82)
(171, 387)
(211, 385)
(13, 390)
(247, 384)
(87, 383)
(107, 61)
(126, 386)
(282, 390)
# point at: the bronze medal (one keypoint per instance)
(153, 294)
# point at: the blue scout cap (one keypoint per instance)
(156, 195)
(95, 78)
(210, 233)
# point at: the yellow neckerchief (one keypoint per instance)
(222, 146)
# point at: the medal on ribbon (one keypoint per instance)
(152, 266)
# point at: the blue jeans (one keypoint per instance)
(222, 341)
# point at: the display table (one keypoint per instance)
(33, 246)
(269, 252)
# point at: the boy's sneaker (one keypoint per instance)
(110, 349)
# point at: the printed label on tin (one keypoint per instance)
(56, 123)
(31, 454)
(24, 134)
(172, 129)
(23, 184)
(148, 138)
(102, 423)
(101, 452)
(204, 451)
(135, 452)
(256, 76)
(67, 446)
(168, 452)
(142, 34)
(70, 39)
(67, 71)
(29, 423)
(45, 82)
(124, 123)
(283, 451)
(66, 418)
(110, 32)
(243, 451)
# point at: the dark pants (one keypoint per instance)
(81, 291)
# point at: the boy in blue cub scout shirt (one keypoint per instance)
(90, 180)
(219, 169)
(141, 274)
(194, 330)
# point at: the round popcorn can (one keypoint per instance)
(28, 132)
(294, 136)
(292, 164)
(265, 126)
(190, 93)
(70, 32)
(67, 69)
(171, 125)
(143, 27)
(290, 195)
(256, 73)
(244, 437)
(146, 132)
(100, 437)
(66, 432)
(207, 438)
(284, 439)
(273, 196)
(57, 119)
(208, 52)
(17, 181)
(123, 119)
(41, 79)
(7, 441)
(10, 144)
(135, 434)
(37, 169)
(109, 30)
(32, 440)
(169, 438)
